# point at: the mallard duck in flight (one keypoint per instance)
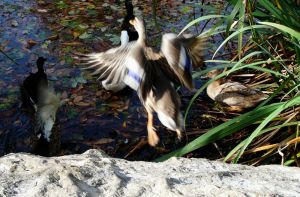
(152, 74)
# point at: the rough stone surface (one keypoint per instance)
(95, 174)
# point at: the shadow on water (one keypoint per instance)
(91, 117)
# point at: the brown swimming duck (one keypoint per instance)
(151, 73)
(233, 94)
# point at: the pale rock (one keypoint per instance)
(95, 174)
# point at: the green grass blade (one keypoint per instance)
(281, 107)
(240, 26)
(241, 144)
(243, 59)
(236, 33)
(271, 8)
(279, 89)
(283, 28)
(223, 130)
(232, 15)
(199, 20)
(254, 65)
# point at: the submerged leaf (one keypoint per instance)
(85, 36)
(14, 23)
(62, 5)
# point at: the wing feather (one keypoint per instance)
(181, 53)
(109, 66)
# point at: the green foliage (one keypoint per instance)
(62, 5)
(272, 50)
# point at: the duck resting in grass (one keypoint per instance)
(233, 94)
(152, 74)
(42, 100)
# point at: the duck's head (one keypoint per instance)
(40, 63)
(41, 60)
(138, 24)
(213, 73)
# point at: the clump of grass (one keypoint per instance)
(267, 37)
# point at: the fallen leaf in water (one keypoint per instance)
(85, 35)
(76, 34)
(78, 99)
(72, 43)
(77, 80)
(54, 37)
(30, 43)
(116, 104)
(99, 24)
(83, 119)
(41, 3)
(104, 95)
(82, 104)
(64, 95)
(9, 71)
(42, 10)
(63, 72)
(14, 23)
(17, 122)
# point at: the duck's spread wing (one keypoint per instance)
(182, 54)
(195, 47)
(114, 67)
(109, 66)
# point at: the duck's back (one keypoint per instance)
(34, 83)
(236, 94)
(232, 87)
(164, 100)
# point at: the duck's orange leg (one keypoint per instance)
(153, 139)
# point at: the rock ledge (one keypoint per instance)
(95, 174)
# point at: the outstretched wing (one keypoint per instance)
(182, 53)
(195, 47)
(114, 68)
